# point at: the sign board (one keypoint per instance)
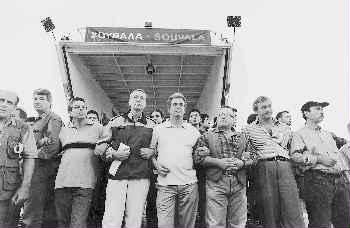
(147, 35)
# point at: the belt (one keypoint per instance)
(324, 174)
(229, 173)
(78, 145)
(277, 158)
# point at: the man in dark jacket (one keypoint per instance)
(131, 168)
(39, 210)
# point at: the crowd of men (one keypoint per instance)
(148, 171)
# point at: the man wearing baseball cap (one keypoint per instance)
(326, 189)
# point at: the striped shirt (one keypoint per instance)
(262, 143)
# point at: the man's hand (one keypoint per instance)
(325, 160)
(44, 141)
(100, 149)
(226, 163)
(162, 170)
(120, 154)
(146, 153)
(202, 151)
(237, 164)
(21, 195)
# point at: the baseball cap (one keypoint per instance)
(309, 104)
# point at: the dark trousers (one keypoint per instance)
(99, 196)
(39, 210)
(279, 197)
(72, 206)
(200, 220)
(9, 214)
(151, 208)
(327, 199)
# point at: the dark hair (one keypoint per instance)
(251, 118)
(303, 112)
(160, 112)
(44, 92)
(194, 110)
(204, 116)
(229, 107)
(215, 122)
(72, 101)
(176, 95)
(280, 114)
(259, 100)
(93, 112)
(22, 113)
(30, 119)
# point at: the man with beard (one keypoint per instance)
(278, 190)
(16, 142)
(326, 188)
(131, 168)
(39, 210)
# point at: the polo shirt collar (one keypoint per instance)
(86, 123)
(168, 124)
(10, 121)
(314, 128)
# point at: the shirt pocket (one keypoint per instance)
(12, 142)
(12, 178)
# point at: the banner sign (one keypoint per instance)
(147, 35)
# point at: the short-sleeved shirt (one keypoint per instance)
(78, 165)
(174, 147)
(307, 138)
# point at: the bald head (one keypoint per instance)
(8, 103)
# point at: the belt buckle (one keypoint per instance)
(228, 173)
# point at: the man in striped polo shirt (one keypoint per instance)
(275, 179)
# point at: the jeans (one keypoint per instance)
(125, 197)
(278, 195)
(186, 199)
(72, 206)
(39, 210)
(226, 203)
(327, 200)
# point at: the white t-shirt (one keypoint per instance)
(174, 146)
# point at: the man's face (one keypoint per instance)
(7, 103)
(194, 118)
(286, 118)
(226, 118)
(137, 101)
(207, 122)
(78, 110)
(92, 118)
(156, 117)
(177, 107)
(264, 110)
(41, 103)
(315, 114)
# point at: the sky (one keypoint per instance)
(292, 51)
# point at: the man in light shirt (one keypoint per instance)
(77, 173)
(326, 188)
(177, 182)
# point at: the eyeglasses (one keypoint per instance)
(155, 116)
